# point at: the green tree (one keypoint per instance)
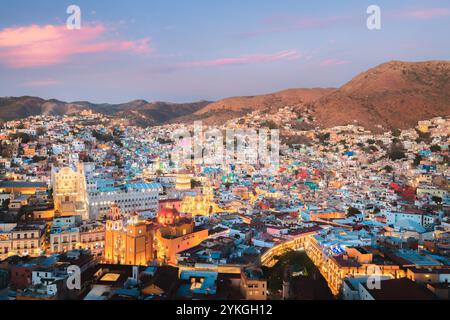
(417, 160)
(352, 212)
(396, 133)
(388, 169)
(436, 199)
(396, 152)
(435, 148)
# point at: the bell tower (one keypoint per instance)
(114, 244)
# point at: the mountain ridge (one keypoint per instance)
(391, 95)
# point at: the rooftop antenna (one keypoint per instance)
(135, 273)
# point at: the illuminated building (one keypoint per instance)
(169, 203)
(130, 198)
(316, 215)
(69, 191)
(22, 187)
(176, 234)
(64, 239)
(44, 214)
(168, 216)
(358, 261)
(297, 241)
(28, 240)
(5, 245)
(183, 180)
(127, 241)
(253, 284)
(92, 237)
(201, 204)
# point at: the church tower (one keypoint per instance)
(114, 245)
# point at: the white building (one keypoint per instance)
(130, 198)
(64, 239)
(27, 240)
(395, 218)
(69, 191)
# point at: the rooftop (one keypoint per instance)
(400, 289)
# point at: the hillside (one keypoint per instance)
(392, 95)
(140, 112)
(230, 108)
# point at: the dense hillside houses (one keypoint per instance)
(93, 191)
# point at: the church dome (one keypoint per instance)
(168, 215)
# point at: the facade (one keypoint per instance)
(5, 245)
(23, 187)
(253, 285)
(353, 262)
(129, 198)
(28, 240)
(69, 191)
(295, 242)
(170, 203)
(200, 205)
(127, 242)
(394, 218)
(92, 238)
(176, 234)
(64, 239)
(429, 275)
(183, 181)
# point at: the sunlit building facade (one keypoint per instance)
(127, 241)
(69, 191)
(176, 234)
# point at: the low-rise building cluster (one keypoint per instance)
(92, 208)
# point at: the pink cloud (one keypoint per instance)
(249, 59)
(424, 14)
(333, 62)
(41, 83)
(35, 45)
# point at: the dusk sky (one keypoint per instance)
(189, 50)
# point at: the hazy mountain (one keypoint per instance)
(139, 111)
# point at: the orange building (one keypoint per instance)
(176, 234)
(129, 241)
(22, 187)
(29, 152)
(326, 215)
